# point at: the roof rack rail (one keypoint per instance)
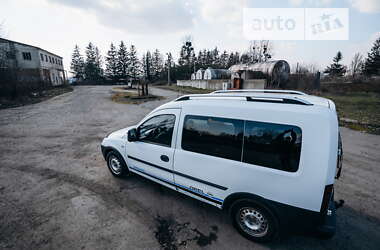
(275, 99)
(270, 91)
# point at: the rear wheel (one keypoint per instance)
(116, 164)
(254, 221)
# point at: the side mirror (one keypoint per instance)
(132, 135)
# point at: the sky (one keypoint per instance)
(58, 25)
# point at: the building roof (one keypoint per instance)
(24, 44)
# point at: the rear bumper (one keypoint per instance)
(328, 226)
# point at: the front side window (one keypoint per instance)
(213, 136)
(158, 130)
(272, 145)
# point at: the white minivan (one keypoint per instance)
(269, 157)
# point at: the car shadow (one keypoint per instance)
(355, 229)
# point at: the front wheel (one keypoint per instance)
(254, 221)
(116, 164)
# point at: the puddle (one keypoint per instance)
(171, 235)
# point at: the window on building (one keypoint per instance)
(50, 59)
(214, 136)
(272, 145)
(158, 130)
(27, 56)
(46, 58)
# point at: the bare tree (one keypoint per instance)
(260, 51)
(356, 65)
(304, 68)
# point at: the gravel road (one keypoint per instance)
(56, 192)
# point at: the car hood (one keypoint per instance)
(119, 133)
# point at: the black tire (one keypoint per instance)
(246, 215)
(113, 158)
(325, 235)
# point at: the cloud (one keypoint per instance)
(366, 6)
(310, 2)
(296, 2)
(225, 13)
(137, 16)
(222, 11)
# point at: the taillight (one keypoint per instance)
(329, 189)
(339, 162)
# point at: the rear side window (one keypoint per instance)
(158, 130)
(272, 145)
(214, 136)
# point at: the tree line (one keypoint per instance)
(359, 65)
(122, 63)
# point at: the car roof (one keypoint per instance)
(265, 93)
(264, 99)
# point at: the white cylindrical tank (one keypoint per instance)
(211, 73)
(277, 72)
(199, 74)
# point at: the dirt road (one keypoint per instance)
(56, 192)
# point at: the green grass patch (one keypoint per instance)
(363, 107)
(185, 90)
(133, 98)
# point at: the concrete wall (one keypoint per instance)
(254, 84)
(218, 84)
(54, 65)
(204, 84)
(34, 63)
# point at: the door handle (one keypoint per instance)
(164, 158)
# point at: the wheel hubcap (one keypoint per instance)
(252, 222)
(115, 165)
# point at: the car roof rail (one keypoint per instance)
(269, 99)
(269, 91)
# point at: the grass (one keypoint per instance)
(363, 107)
(133, 98)
(185, 90)
(34, 97)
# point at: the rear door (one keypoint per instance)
(152, 155)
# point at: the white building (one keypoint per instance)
(32, 63)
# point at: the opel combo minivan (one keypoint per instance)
(269, 157)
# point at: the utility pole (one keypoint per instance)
(169, 65)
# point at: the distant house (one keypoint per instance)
(32, 63)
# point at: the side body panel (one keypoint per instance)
(303, 189)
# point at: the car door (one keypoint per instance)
(207, 155)
(152, 154)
